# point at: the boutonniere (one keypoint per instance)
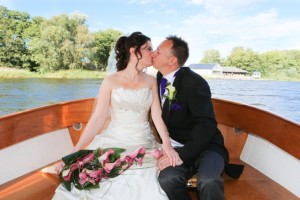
(170, 96)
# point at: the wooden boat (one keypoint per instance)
(266, 144)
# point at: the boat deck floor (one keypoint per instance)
(251, 185)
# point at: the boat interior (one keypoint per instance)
(266, 144)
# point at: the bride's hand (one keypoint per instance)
(172, 154)
(59, 166)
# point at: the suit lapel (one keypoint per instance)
(165, 107)
(166, 111)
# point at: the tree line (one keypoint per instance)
(65, 42)
(275, 63)
(62, 42)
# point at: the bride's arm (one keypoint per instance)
(98, 116)
(156, 112)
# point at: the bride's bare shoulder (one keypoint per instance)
(112, 77)
(150, 77)
(150, 80)
(110, 81)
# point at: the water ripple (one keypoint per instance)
(279, 97)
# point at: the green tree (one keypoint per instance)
(281, 64)
(14, 51)
(211, 56)
(104, 43)
(33, 31)
(245, 59)
(64, 43)
(293, 56)
(271, 63)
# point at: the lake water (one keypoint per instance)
(279, 97)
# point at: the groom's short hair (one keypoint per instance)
(180, 49)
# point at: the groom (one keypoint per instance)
(191, 123)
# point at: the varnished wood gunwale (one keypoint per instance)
(251, 185)
(281, 132)
(27, 124)
(20, 126)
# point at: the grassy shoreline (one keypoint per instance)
(6, 72)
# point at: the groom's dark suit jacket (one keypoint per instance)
(193, 124)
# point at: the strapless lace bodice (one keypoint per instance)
(129, 119)
(130, 105)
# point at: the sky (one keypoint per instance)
(261, 25)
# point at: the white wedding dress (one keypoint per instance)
(129, 129)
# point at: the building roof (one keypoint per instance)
(217, 67)
(203, 66)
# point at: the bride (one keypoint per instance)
(128, 94)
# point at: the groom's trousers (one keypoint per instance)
(210, 185)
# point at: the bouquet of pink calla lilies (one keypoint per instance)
(86, 168)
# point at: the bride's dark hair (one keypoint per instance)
(124, 43)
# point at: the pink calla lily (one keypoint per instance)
(79, 164)
(109, 166)
(72, 168)
(139, 161)
(155, 153)
(130, 157)
(96, 173)
(88, 158)
(105, 157)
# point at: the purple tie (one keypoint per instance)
(163, 84)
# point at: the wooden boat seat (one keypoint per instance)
(251, 185)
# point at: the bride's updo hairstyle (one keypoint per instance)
(124, 43)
